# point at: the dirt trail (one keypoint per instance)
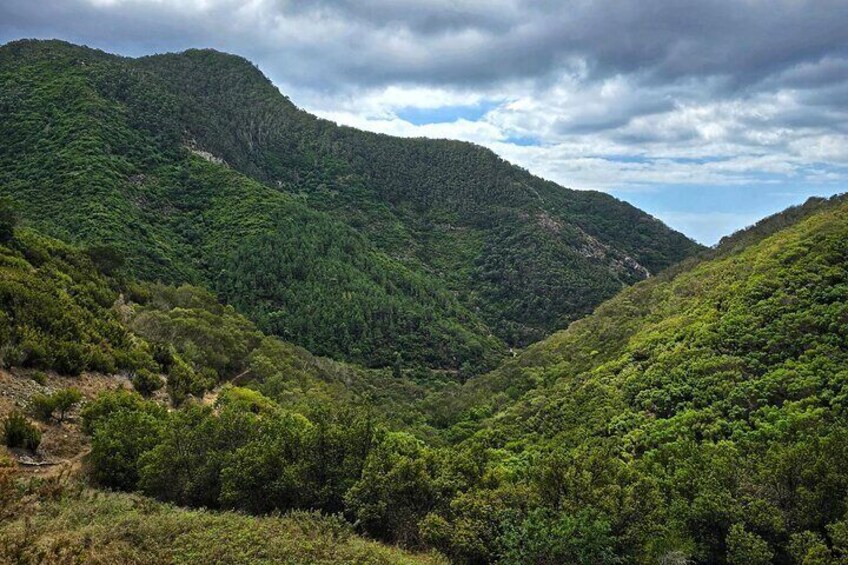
(63, 445)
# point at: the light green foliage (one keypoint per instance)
(696, 417)
(101, 527)
(47, 406)
(703, 407)
(63, 400)
(61, 308)
(544, 537)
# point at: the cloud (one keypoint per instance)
(618, 95)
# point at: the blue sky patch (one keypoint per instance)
(446, 114)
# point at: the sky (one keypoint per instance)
(709, 114)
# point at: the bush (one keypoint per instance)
(118, 443)
(146, 382)
(108, 403)
(44, 406)
(65, 399)
(40, 377)
(183, 382)
(20, 433)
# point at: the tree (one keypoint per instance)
(545, 537)
(64, 400)
(8, 219)
(747, 548)
(146, 382)
(106, 258)
(118, 443)
(396, 490)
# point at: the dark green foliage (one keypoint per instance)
(18, 432)
(119, 440)
(146, 382)
(350, 244)
(109, 403)
(455, 207)
(696, 417)
(107, 259)
(8, 219)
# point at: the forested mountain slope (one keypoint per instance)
(697, 416)
(529, 253)
(60, 313)
(355, 245)
(92, 152)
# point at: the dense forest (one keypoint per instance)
(265, 343)
(362, 247)
(697, 416)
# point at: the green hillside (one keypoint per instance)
(91, 155)
(699, 416)
(60, 313)
(185, 231)
(529, 254)
(81, 526)
(365, 247)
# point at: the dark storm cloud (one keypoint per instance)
(466, 42)
(684, 50)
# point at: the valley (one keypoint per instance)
(233, 332)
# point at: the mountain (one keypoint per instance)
(354, 245)
(699, 416)
(60, 313)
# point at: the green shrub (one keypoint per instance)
(20, 433)
(44, 406)
(184, 381)
(39, 377)
(119, 440)
(108, 403)
(545, 537)
(146, 382)
(65, 399)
